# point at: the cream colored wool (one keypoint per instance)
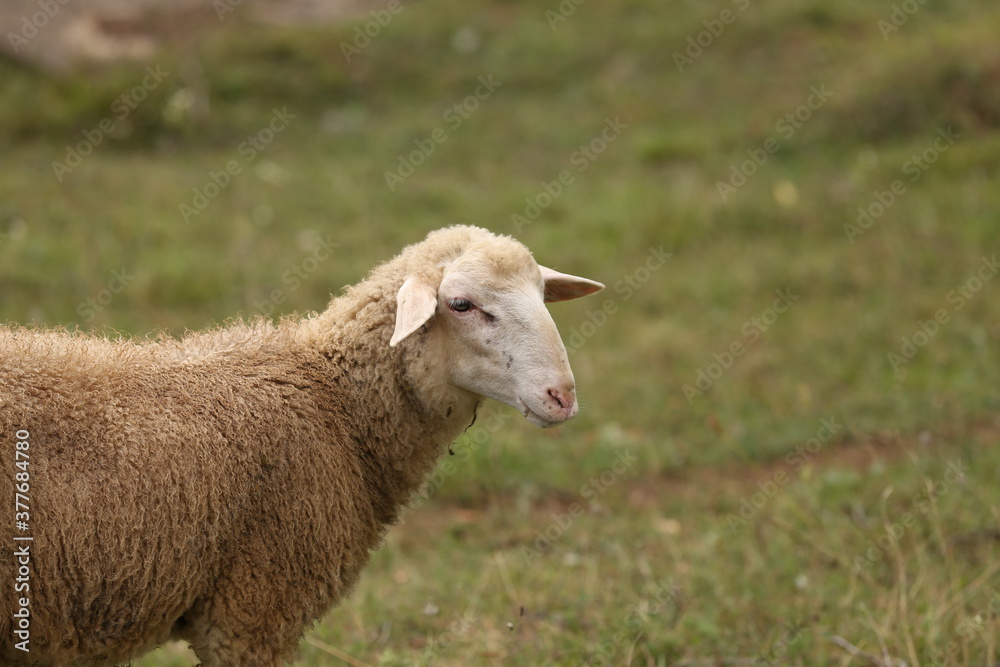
(226, 488)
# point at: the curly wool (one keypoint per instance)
(226, 488)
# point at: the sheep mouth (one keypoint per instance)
(534, 417)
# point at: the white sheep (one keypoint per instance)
(227, 488)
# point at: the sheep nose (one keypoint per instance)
(564, 399)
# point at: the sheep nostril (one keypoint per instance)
(563, 400)
(555, 395)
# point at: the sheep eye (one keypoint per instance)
(460, 305)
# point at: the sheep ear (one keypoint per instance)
(563, 287)
(415, 303)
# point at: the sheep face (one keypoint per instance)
(488, 315)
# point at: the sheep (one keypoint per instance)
(228, 487)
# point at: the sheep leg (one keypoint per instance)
(225, 646)
(222, 633)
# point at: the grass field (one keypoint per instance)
(787, 452)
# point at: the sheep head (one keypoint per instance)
(486, 307)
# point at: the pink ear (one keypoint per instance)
(415, 303)
(563, 287)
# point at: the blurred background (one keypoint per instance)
(787, 447)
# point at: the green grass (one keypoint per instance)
(658, 570)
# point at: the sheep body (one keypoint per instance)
(226, 488)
